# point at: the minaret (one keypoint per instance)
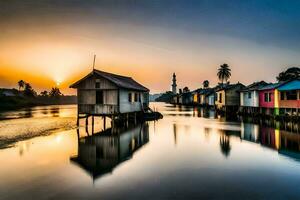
(174, 85)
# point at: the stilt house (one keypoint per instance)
(106, 94)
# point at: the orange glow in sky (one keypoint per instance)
(50, 49)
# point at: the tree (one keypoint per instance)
(29, 91)
(55, 92)
(21, 84)
(289, 74)
(44, 93)
(206, 84)
(224, 73)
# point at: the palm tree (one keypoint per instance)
(21, 84)
(206, 84)
(224, 73)
(55, 92)
(44, 93)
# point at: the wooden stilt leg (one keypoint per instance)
(104, 122)
(86, 125)
(92, 124)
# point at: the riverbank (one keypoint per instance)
(27, 123)
(16, 102)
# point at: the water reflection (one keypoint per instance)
(285, 142)
(237, 156)
(283, 137)
(100, 153)
(40, 111)
(225, 144)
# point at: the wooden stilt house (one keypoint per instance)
(106, 94)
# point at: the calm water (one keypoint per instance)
(182, 156)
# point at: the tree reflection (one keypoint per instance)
(225, 145)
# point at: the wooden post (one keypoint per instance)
(92, 124)
(112, 121)
(77, 123)
(86, 124)
(104, 122)
(87, 120)
(134, 117)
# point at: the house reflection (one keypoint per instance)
(250, 132)
(290, 144)
(100, 153)
(268, 137)
(286, 142)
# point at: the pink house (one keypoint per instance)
(268, 99)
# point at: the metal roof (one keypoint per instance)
(288, 85)
(120, 81)
(255, 86)
(271, 86)
(230, 86)
(293, 85)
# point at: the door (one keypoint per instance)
(99, 97)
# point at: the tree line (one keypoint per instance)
(224, 74)
(28, 91)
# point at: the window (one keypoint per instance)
(268, 97)
(135, 97)
(291, 95)
(281, 95)
(139, 97)
(249, 95)
(129, 97)
(99, 97)
(220, 97)
(97, 84)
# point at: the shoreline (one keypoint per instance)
(17, 102)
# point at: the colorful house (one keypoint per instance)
(196, 96)
(280, 95)
(211, 98)
(268, 99)
(289, 94)
(228, 96)
(249, 96)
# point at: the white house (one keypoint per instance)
(249, 96)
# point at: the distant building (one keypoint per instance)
(174, 84)
(107, 94)
(201, 96)
(228, 96)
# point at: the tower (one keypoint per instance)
(174, 85)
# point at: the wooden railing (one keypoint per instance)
(98, 109)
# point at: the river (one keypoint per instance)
(189, 154)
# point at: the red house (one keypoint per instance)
(267, 95)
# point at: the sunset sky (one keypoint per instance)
(49, 41)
